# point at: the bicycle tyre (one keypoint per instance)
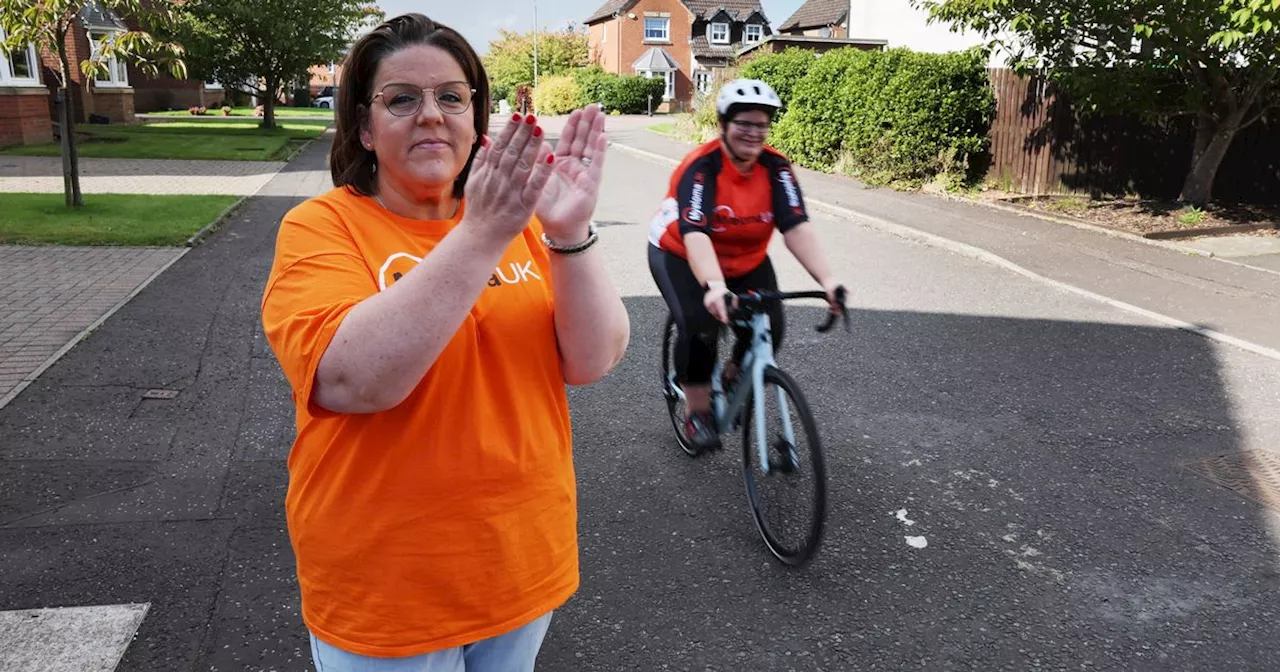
(801, 553)
(673, 401)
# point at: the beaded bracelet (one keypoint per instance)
(571, 250)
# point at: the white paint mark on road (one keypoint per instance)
(76, 639)
(902, 516)
(917, 542)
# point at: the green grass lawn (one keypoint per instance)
(213, 140)
(281, 112)
(107, 219)
(665, 129)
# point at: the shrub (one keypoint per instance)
(783, 71)
(889, 116)
(631, 94)
(499, 92)
(556, 95)
(593, 84)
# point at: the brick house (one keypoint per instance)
(819, 18)
(686, 42)
(109, 94)
(29, 83)
(24, 100)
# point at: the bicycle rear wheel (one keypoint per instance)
(797, 472)
(677, 406)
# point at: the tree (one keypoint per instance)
(510, 59)
(259, 47)
(1214, 60)
(48, 23)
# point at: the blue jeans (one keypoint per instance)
(514, 651)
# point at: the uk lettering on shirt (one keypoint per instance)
(507, 273)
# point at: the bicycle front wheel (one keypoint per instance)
(789, 500)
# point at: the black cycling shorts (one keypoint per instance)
(698, 333)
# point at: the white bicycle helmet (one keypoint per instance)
(749, 92)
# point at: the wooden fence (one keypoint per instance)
(1039, 145)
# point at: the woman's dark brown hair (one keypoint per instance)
(350, 163)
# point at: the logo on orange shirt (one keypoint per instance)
(400, 263)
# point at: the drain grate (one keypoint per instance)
(1254, 475)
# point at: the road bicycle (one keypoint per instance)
(774, 458)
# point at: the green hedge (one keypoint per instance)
(891, 116)
(783, 71)
(626, 94)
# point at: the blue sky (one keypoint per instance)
(480, 20)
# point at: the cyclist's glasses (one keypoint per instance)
(752, 127)
(404, 100)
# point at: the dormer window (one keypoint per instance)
(719, 33)
(753, 33)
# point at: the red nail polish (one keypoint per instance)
(484, 141)
(551, 158)
(530, 120)
(515, 117)
(537, 132)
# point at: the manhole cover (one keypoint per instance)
(160, 394)
(1254, 475)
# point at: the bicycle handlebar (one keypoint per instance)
(761, 297)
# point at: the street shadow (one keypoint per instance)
(1039, 459)
(1042, 461)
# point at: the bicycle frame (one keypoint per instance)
(729, 407)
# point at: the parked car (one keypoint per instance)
(326, 98)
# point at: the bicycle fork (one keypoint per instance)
(761, 358)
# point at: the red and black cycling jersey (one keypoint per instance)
(708, 194)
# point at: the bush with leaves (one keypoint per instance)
(498, 92)
(783, 71)
(631, 94)
(893, 116)
(593, 84)
(556, 95)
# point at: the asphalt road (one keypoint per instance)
(1032, 437)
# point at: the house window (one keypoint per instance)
(657, 29)
(719, 33)
(19, 66)
(702, 80)
(753, 34)
(116, 73)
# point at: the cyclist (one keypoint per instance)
(711, 238)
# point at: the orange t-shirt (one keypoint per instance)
(452, 517)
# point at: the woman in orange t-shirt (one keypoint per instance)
(428, 313)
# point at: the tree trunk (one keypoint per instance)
(1213, 139)
(67, 121)
(269, 104)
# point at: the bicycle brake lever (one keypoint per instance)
(841, 295)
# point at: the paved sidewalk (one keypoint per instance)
(49, 296)
(138, 176)
(1239, 301)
